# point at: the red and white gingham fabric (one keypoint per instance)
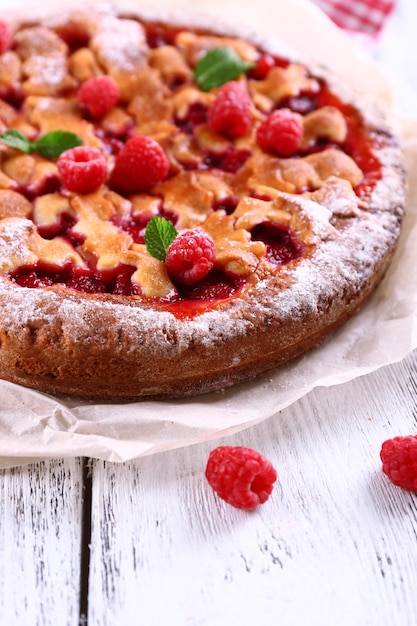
(364, 16)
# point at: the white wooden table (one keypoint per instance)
(148, 542)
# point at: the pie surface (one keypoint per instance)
(301, 236)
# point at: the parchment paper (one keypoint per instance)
(35, 426)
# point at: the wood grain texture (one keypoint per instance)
(40, 544)
(336, 542)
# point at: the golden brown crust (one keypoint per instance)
(109, 347)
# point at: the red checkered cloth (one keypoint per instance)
(364, 16)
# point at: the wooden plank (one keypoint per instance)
(336, 542)
(40, 533)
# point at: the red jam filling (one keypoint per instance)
(216, 288)
(84, 280)
(61, 228)
(196, 114)
(359, 144)
(158, 35)
(302, 104)
(230, 160)
(135, 226)
(282, 245)
(217, 285)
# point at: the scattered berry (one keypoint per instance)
(140, 164)
(399, 461)
(82, 169)
(190, 256)
(230, 114)
(281, 132)
(6, 36)
(98, 95)
(240, 476)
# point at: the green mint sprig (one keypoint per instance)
(159, 234)
(49, 146)
(218, 66)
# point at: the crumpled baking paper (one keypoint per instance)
(35, 426)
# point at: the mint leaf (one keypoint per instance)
(218, 66)
(159, 234)
(55, 143)
(14, 139)
(49, 146)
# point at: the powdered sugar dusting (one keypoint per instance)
(48, 70)
(119, 43)
(14, 232)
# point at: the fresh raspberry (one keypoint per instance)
(399, 461)
(230, 114)
(82, 169)
(140, 164)
(190, 256)
(281, 132)
(241, 476)
(98, 95)
(6, 36)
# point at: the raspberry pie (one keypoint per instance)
(180, 210)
